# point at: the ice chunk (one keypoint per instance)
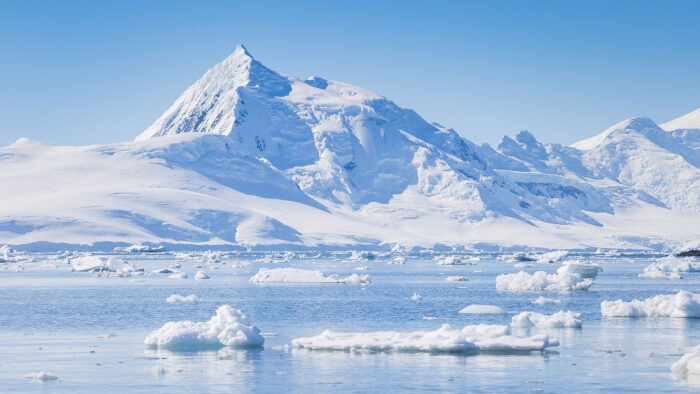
(669, 268)
(544, 300)
(229, 327)
(87, 263)
(473, 338)
(40, 376)
(584, 270)
(416, 297)
(689, 364)
(178, 275)
(659, 275)
(552, 257)
(362, 268)
(541, 281)
(560, 319)
(139, 249)
(456, 279)
(178, 298)
(100, 264)
(357, 255)
(456, 260)
(201, 275)
(483, 309)
(397, 260)
(295, 275)
(681, 304)
(515, 257)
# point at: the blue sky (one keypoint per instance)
(85, 72)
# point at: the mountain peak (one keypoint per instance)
(637, 123)
(240, 55)
(690, 120)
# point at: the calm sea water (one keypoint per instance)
(58, 321)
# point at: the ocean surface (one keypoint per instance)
(89, 330)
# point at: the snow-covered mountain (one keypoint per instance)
(247, 156)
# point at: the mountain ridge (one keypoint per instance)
(248, 156)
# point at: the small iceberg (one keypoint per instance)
(552, 257)
(689, 364)
(175, 298)
(456, 260)
(229, 327)
(138, 249)
(295, 275)
(669, 268)
(473, 338)
(416, 297)
(456, 279)
(560, 319)
(681, 304)
(106, 265)
(200, 275)
(569, 277)
(478, 309)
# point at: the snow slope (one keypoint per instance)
(249, 157)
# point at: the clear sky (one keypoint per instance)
(85, 72)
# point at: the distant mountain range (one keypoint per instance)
(247, 157)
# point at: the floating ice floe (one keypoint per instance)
(515, 257)
(456, 260)
(8, 255)
(472, 338)
(40, 376)
(670, 268)
(416, 297)
(689, 364)
(362, 268)
(201, 275)
(361, 255)
(163, 271)
(584, 270)
(113, 265)
(552, 257)
(681, 304)
(483, 309)
(571, 276)
(295, 275)
(172, 299)
(560, 319)
(456, 279)
(139, 249)
(399, 260)
(660, 275)
(541, 300)
(229, 327)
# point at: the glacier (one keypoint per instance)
(250, 158)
